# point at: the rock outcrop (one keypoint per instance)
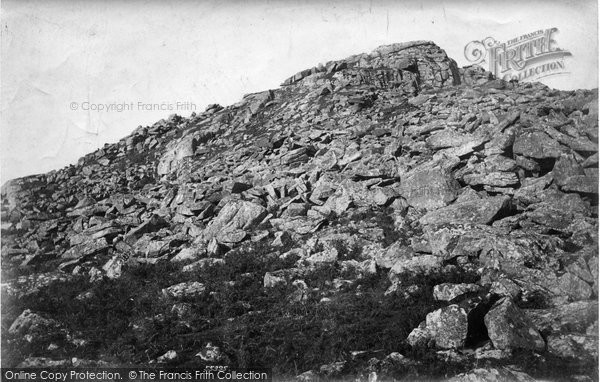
(363, 197)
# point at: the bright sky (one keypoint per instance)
(58, 55)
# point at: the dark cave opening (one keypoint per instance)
(476, 330)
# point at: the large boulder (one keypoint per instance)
(509, 328)
(565, 167)
(537, 144)
(429, 188)
(175, 152)
(404, 66)
(446, 328)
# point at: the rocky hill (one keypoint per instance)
(388, 216)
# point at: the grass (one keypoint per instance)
(127, 321)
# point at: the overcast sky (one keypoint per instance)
(63, 55)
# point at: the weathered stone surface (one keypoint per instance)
(88, 248)
(497, 179)
(396, 252)
(449, 326)
(270, 280)
(236, 215)
(582, 347)
(422, 264)
(211, 353)
(448, 292)
(576, 316)
(446, 328)
(169, 356)
(574, 287)
(428, 188)
(493, 375)
(191, 253)
(339, 202)
(31, 323)
(509, 328)
(536, 144)
(203, 264)
(448, 138)
(419, 336)
(174, 153)
(565, 167)
(477, 211)
(185, 289)
(581, 183)
(231, 236)
(113, 267)
(153, 224)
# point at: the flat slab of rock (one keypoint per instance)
(537, 144)
(474, 211)
(88, 248)
(448, 138)
(423, 264)
(496, 179)
(236, 215)
(581, 183)
(299, 224)
(232, 236)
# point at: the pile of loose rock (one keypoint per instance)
(477, 175)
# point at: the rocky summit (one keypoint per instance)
(388, 216)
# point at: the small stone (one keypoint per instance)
(492, 375)
(167, 357)
(185, 289)
(210, 353)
